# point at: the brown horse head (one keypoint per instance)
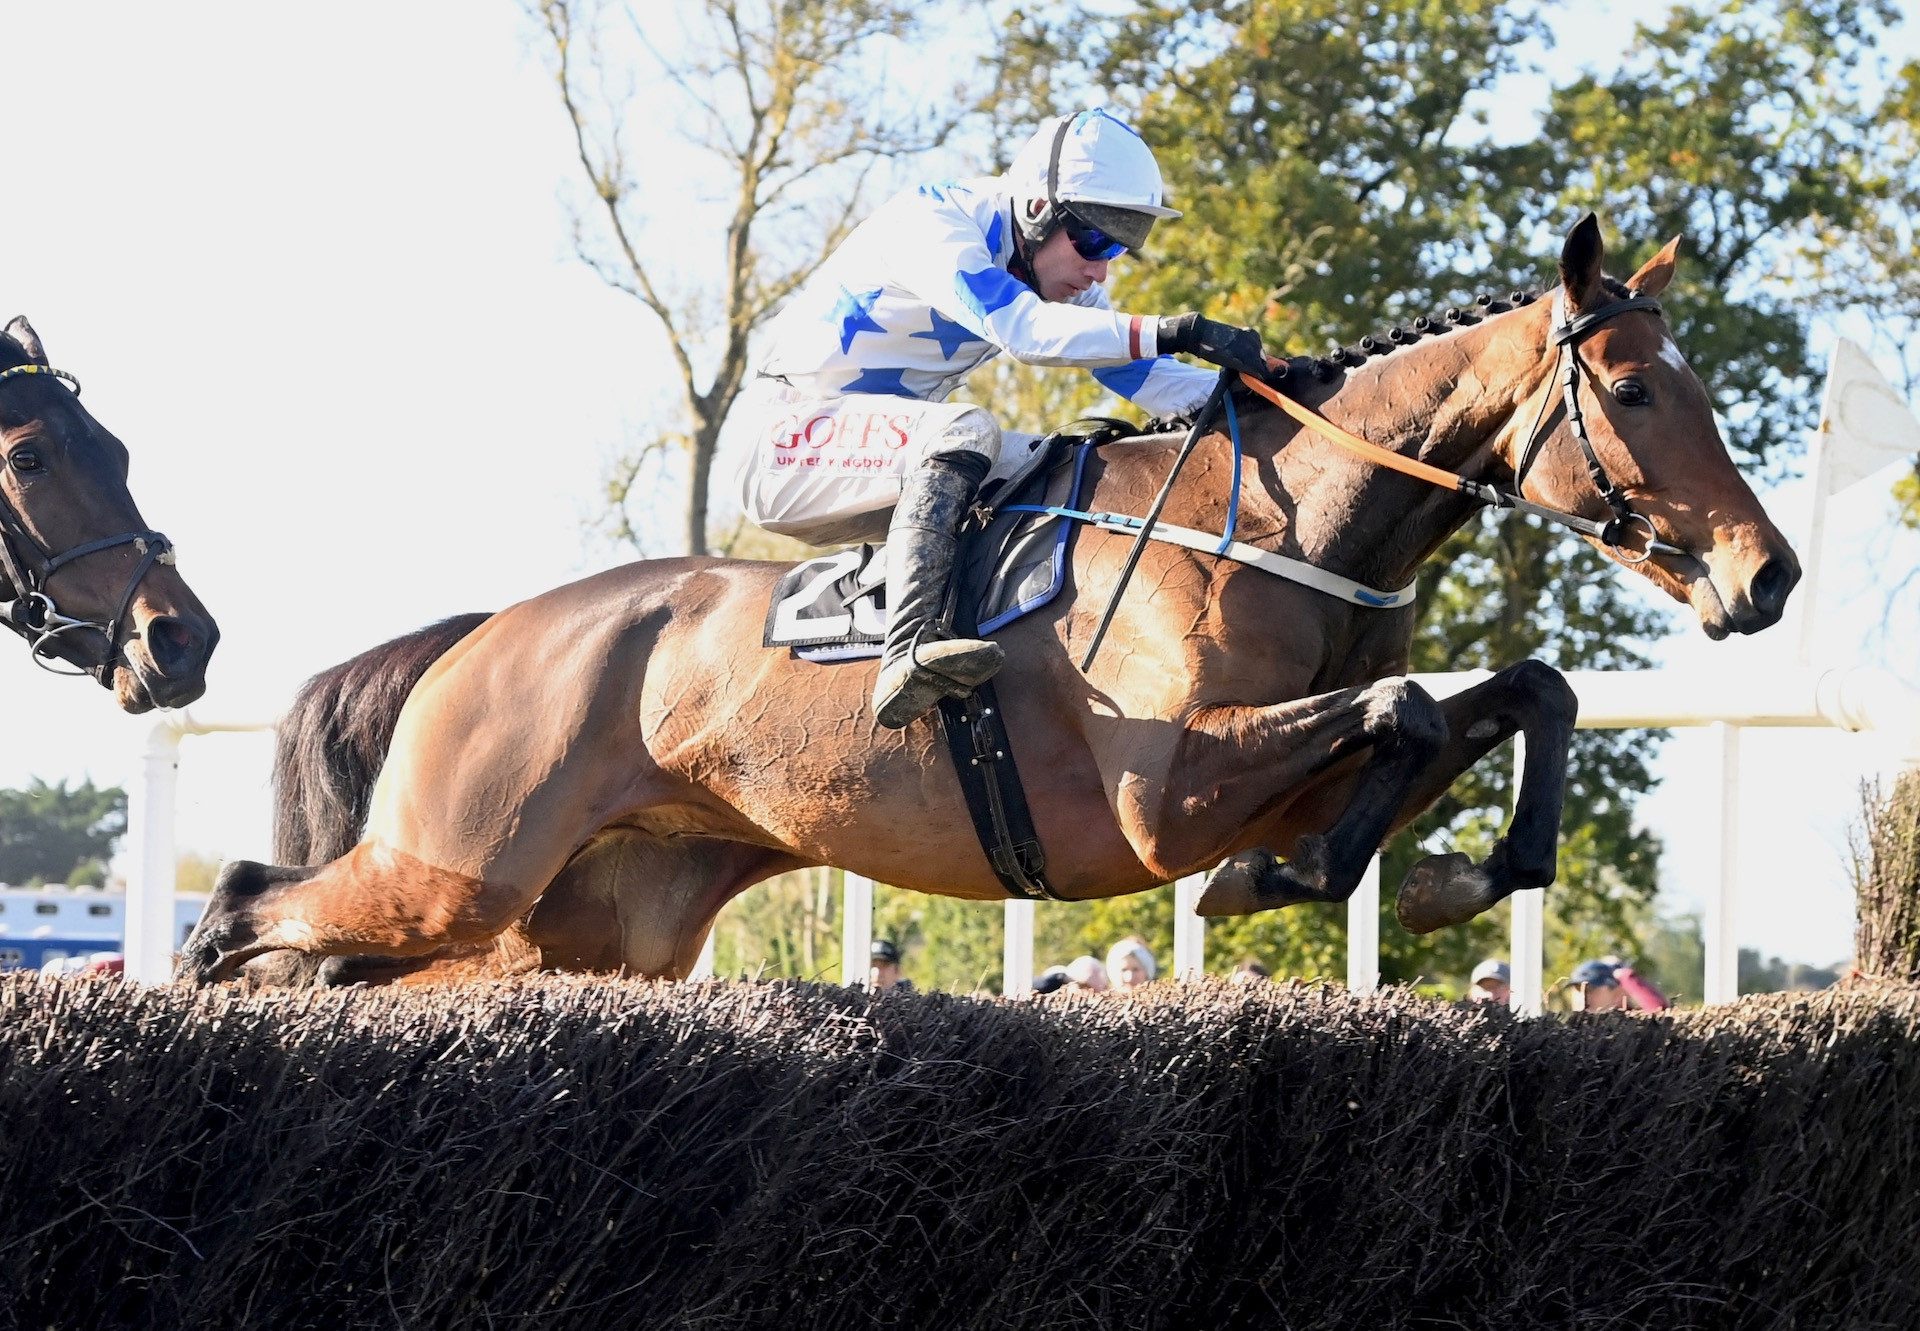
(100, 591)
(1653, 431)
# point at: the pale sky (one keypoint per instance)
(312, 264)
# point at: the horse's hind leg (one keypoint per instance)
(1533, 699)
(1405, 729)
(635, 902)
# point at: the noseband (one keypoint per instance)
(30, 566)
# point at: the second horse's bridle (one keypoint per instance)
(30, 566)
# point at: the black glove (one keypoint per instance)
(1226, 346)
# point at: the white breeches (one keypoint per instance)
(828, 470)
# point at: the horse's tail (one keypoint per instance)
(334, 739)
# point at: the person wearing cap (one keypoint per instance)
(853, 434)
(1491, 982)
(883, 967)
(1608, 983)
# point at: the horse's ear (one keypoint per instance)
(1580, 260)
(26, 339)
(1654, 275)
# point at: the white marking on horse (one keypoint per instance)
(1671, 355)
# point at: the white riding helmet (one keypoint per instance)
(1095, 165)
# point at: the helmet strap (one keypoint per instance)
(1053, 165)
(1020, 262)
(1041, 226)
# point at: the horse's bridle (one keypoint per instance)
(1568, 334)
(33, 614)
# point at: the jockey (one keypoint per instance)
(850, 407)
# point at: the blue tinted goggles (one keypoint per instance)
(1090, 242)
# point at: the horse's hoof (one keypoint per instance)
(198, 966)
(1234, 887)
(1443, 890)
(212, 954)
(1257, 880)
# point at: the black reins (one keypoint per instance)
(33, 614)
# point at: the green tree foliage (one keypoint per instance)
(785, 928)
(1740, 128)
(196, 873)
(59, 834)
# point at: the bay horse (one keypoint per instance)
(68, 526)
(593, 773)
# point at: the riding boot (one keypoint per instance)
(921, 662)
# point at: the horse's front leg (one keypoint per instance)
(1530, 698)
(1400, 728)
(372, 900)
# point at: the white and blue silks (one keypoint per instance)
(853, 387)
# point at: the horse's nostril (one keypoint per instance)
(173, 644)
(1770, 586)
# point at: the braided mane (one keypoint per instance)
(1340, 358)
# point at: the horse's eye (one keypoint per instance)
(1631, 393)
(25, 459)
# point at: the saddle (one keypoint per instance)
(1012, 562)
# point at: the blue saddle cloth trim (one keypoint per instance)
(1046, 595)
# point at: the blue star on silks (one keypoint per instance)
(995, 230)
(950, 335)
(874, 380)
(988, 290)
(855, 315)
(1126, 380)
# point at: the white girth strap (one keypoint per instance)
(1293, 570)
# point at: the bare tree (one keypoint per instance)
(790, 99)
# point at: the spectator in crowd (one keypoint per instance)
(1086, 975)
(1130, 964)
(1641, 992)
(883, 967)
(1050, 980)
(1492, 982)
(1608, 983)
(1250, 971)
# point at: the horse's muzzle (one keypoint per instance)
(165, 664)
(1750, 601)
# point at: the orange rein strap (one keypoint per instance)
(1353, 443)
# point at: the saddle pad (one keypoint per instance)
(834, 608)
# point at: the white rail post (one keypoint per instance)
(149, 943)
(856, 927)
(703, 965)
(1016, 949)
(1528, 944)
(1363, 932)
(1189, 929)
(1722, 980)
